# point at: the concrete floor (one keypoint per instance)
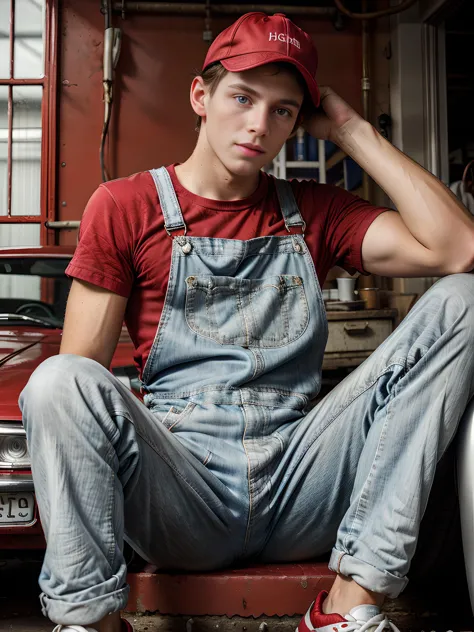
(436, 598)
(441, 607)
(19, 604)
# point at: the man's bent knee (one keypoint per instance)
(456, 286)
(55, 378)
(454, 294)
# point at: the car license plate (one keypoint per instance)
(16, 508)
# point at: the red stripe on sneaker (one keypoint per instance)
(303, 627)
(318, 618)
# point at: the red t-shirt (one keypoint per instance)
(123, 246)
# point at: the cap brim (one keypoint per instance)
(254, 60)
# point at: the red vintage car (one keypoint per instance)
(33, 294)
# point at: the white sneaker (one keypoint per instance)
(365, 618)
(73, 628)
(126, 627)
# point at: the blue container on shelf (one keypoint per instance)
(312, 149)
(353, 174)
(300, 145)
(331, 148)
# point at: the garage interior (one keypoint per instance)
(409, 73)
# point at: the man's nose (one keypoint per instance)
(259, 121)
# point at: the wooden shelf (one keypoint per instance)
(335, 158)
(358, 314)
(304, 164)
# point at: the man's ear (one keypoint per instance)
(197, 96)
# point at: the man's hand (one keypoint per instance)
(332, 117)
(432, 234)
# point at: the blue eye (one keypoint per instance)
(244, 100)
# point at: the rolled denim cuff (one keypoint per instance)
(84, 612)
(366, 575)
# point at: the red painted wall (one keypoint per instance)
(153, 123)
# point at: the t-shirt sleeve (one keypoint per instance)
(347, 220)
(103, 255)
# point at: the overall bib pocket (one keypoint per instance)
(264, 313)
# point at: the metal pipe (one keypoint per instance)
(184, 8)
(365, 89)
(106, 9)
(406, 4)
(10, 111)
(65, 224)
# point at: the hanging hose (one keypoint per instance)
(366, 88)
(207, 33)
(112, 41)
(103, 137)
(406, 4)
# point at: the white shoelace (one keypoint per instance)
(76, 628)
(375, 624)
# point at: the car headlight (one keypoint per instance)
(13, 448)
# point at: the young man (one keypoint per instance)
(217, 269)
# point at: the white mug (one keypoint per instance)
(346, 288)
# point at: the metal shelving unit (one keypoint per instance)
(281, 165)
(318, 169)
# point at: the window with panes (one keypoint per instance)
(27, 121)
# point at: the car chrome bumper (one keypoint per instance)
(16, 483)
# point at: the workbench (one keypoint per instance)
(353, 335)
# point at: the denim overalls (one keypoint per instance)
(242, 336)
(228, 461)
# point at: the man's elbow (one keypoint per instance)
(462, 262)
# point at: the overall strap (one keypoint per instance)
(168, 201)
(288, 205)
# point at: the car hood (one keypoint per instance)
(21, 351)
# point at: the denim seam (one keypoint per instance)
(266, 474)
(109, 458)
(341, 410)
(164, 458)
(344, 554)
(400, 385)
(265, 405)
(220, 388)
(118, 579)
(110, 510)
(284, 249)
(363, 497)
(256, 359)
(190, 321)
(249, 483)
(241, 308)
(209, 252)
(165, 418)
(188, 409)
(44, 599)
(280, 439)
(319, 294)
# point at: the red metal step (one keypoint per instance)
(270, 590)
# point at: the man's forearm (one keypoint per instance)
(432, 214)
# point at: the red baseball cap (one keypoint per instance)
(256, 39)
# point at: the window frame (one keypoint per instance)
(48, 125)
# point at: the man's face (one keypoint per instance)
(250, 115)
